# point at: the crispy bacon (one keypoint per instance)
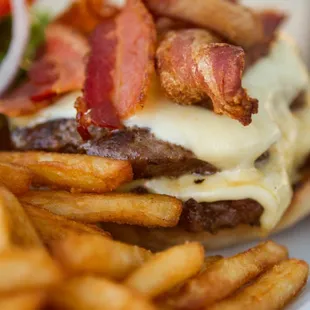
(233, 21)
(119, 68)
(193, 67)
(85, 15)
(59, 70)
(62, 67)
(271, 21)
(19, 103)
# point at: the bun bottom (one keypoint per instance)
(161, 238)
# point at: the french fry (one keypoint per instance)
(226, 276)
(27, 269)
(16, 179)
(15, 227)
(22, 301)
(85, 293)
(273, 290)
(209, 261)
(94, 254)
(167, 269)
(163, 301)
(55, 227)
(126, 208)
(72, 171)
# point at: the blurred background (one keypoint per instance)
(298, 24)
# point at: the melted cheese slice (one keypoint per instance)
(275, 80)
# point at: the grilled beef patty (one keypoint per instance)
(213, 216)
(150, 157)
(53, 136)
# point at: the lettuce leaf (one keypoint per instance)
(38, 24)
(39, 21)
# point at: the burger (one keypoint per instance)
(208, 101)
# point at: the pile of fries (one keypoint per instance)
(53, 256)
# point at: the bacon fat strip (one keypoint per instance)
(192, 67)
(85, 15)
(271, 21)
(119, 68)
(60, 69)
(233, 21)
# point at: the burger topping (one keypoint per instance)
(192, 68)
(119, 68)
(271, 21)
(20, 30)
(235, 22)
(59, 70)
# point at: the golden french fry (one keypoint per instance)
(163, 302)
(27, 269)
(15, 227)
(273, 290)
(85, 293)
(16, 178)
(167, 269)
(22, 301)
(54, 227)
(89, 253)
(128, 208)
(227, 275)
(210, 260)
(72, 171)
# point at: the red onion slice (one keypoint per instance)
(20, 34)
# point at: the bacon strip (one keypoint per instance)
(233, 21)
(271, 21)
(59, 70)
(192, 67)
(85, 15)
(119, 68)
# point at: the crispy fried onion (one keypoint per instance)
(231, 20)
(60, 69)
(119, 68)
(193, 66)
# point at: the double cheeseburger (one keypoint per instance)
(208, 101)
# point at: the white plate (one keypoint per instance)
(297, 240)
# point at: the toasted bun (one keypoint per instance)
(160, 238)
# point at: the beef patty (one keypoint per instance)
(150, 157)
(212, 216)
